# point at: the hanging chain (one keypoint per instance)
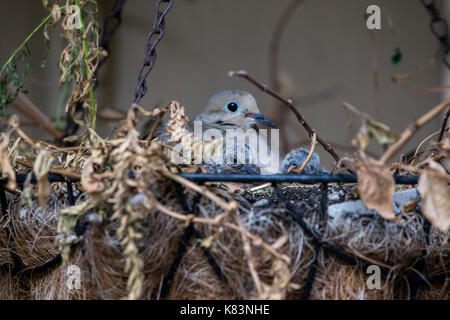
(150, 56)
(439, 27)
(114, 18)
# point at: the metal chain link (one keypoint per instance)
(150, 56)
(113, 19)
(439, 27)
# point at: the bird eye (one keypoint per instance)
(232, 106)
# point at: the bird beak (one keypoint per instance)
(259, 118)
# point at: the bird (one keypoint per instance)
(233, 116)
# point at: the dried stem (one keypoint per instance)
(444, 125)
(38, 144)
(411, 129)
(155, 126)
(24, 136)
(414, 157)
(248, 253)
(310, 154)
(28, 108)
(290, 105)
(338, 146)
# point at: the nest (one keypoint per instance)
(102, 266)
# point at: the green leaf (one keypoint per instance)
(396, 57)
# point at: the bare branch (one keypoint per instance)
(290, 105)
(411, 129)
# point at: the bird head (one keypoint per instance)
(232, 109)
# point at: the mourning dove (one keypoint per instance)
(234, 116)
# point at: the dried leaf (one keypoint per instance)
(376, 186)
(436, 199)
(71, 139)
(371, 129)
(410, 206)
(41, 167)
(444, 146)
(207, 242)
(7, 169)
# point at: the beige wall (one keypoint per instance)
(326, 46)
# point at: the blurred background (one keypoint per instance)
(326, 55)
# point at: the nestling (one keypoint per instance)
(235, 114)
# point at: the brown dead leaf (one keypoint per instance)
(436, 198)
(41, 167)
(71, 139)
(410, 206)
(376, 186)
(371, 129)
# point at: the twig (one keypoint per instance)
(36, 144)
(359, 113)
(399, 77)
(27, 139)
(155, 126)
(189, 218)
(55, 170)
(421, 144)
(228, 207)
(411, 129)
(248, 253)
(338, 146)
(311, 152)
(289, 104)
(28, 108)
(262, 186)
